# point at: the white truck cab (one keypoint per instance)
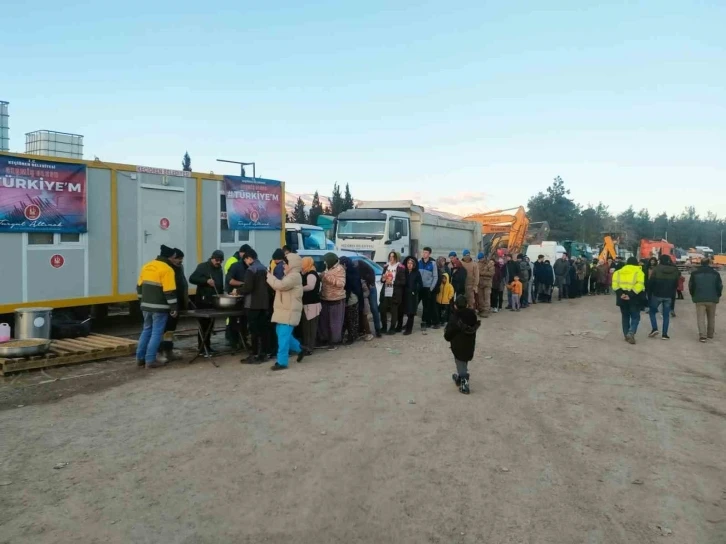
(299, 237)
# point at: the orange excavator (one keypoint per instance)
(502, 230)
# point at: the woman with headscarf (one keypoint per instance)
(332, 295)
(288, 307)
(410, 296)
(353, 298)
(393, 282)
(311, 304)
(498, 284)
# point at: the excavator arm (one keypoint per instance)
(608, 249)
(507, 229)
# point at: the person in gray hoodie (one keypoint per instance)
(430, 279)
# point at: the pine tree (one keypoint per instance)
(187, 162)
(336, 201)
(316, 210)
(298, 213)
(348, 203)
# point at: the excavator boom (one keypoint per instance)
(506, 229)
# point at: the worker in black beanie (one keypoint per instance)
(166, 348)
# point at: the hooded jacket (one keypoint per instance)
(333, 284)
(288, 305)
(486, 273)
(461, 332)
(429, 273)
(472, 273)
(524, 271)
(413, 285)
(446, 290)
(663, 281)
(254, 287)
(705, 285)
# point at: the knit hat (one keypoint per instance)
(466, 253)
(452, 254)
(480, 256)
(330, 259)
(166, 251)
(218, 254)
(178, 253)
(245, 248)
(278, 255)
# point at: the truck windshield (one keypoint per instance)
(313, 239)
(361, 229)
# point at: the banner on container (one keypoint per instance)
(253, 204)
(42, 196)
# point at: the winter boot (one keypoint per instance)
(464, 384)
(456, 379)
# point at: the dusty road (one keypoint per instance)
(570, 435)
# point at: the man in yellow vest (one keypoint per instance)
(629, 287)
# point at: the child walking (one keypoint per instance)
(461, 333)
(443, 298)
(516, 289)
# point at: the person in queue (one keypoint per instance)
(393, 282)
(458, 275)
(629, 286)
(311, 304)
(209, 280)
(661, 288)
(444, 299)
(471, 287)
(498, 284)
(233, 280)
(368, 276)
(156, 290)
(414, 286)
(332, 295)
(511, 269)
(353, 300)
(287, 309)
(235, 326)
(168, 353)
(257, 304)
(486, 278)
(524, 275)
(548, 281)
(429, 271)
(562, 276)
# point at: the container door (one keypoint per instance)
(162, 221)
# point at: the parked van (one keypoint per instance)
(551, 251)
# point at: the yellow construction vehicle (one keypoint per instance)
(503, 231)
(608, 247)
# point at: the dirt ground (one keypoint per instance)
(570, 435)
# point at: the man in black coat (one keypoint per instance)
(511, 269)
(176, 260)
(209, 279)
(458, 276)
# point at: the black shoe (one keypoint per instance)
(278, 367)
(509, 307)
(301, 355)
(464, 386)
(408, 333)
(665, 337)
(399, 329)
(392, 332)
(456, 379)
(140, 362)
(379, 334)
(436, 327)
(653, 333)
(350, 341)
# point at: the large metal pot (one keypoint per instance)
(226, 302)
(25, 347)
(32, 323)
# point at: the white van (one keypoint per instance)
(551, 251)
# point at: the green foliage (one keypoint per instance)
(316, 210)
(348, 203)
(337, 203)
(568, 221)
(298, 213)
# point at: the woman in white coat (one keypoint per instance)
(287, 309)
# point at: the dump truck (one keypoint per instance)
(375, 228)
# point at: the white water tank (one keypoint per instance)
(54, 144)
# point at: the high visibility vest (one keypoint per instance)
(229, 262)
(629, 278)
